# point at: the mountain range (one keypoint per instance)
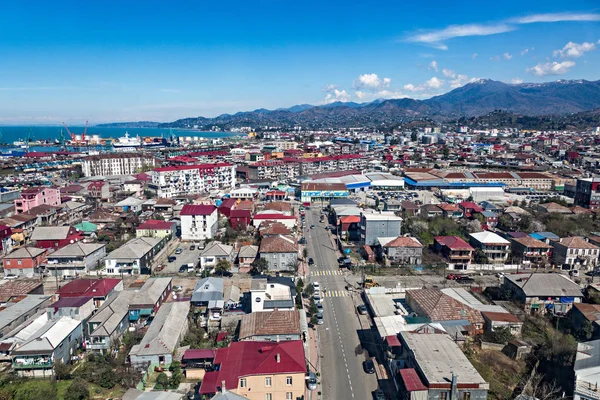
(474, 99)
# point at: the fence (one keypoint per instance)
(486, 267)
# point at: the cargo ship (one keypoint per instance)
(128, 143)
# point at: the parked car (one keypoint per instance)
(574, 273)
(369, 366)
(320, 307)
(465, 279)
(317, 297)
(179, 250)
(160, 268)
(172, 258)
(311, 381)
(311, 261)
(312, 227)
(379, 395)
(10, 276)
(192, 247)
(362, 309)
(316, 286)
(321, 321)
(183, 268)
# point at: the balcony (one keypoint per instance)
(32, 364)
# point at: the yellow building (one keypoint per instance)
(258, 371)
(156, 229)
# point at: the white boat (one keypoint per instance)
(127, 142)
(20, 144)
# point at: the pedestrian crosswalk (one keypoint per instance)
(326, 273)
(335, 293)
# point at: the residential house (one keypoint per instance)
(240, 219)
(99, 289)
(164, 206)
(150, 298)
(583, 313)
(458, 252)
(281, 252)
(490, 219)
(541, 292)
(109, 324)
(12, 289)
(56, 341)
(129, 204)
(392, 205)
(502, 320)
(283, 207)
(73, 211)
(374, 225)
(198, 222)
(273, 228)
(78, 308)
(439, 307)
(135, 394)
(20, 309)
(6, 242)
(99, 190)
(288, 220)
(546, 237)
(215, 251)
(156, 228)
(469, 208)
(348, 228)
(207, 290)
(24, 261)
(585, 368)
(36, 196)
(134, 187)
(45, 215)
(272, 326)
(493, 246)
(410, 208)
(451, 210)
(431, 211)
(55, 237)
(531, 251)
(401, 250)
(272, 293)
(553, 208)
(134, 257)
(76, 259)
(246, 256)
(575, 252)
(162, 338)
(258, 370)
(436, 368)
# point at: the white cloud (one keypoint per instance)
(551, 68)
(371, 82)
(433, 83)
(474, 56)
(556, 17)
(413, 88)
(574, 50)
(507, 56)
(461, 80)
(527, 50)
(436, 37)
(337, 95)
(448, 73)
(516, 81)
(433, 65)
(329, 88)
(495, 58)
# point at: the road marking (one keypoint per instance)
(335, 293)
(326, 273)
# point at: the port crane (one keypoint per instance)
(73, 138)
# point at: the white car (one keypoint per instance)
(10, 276)
(317, 298)
(316, 286)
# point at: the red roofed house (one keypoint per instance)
(24, 261)
(99, 289)
(455, 249)
(99, 190)
(469, 208)
(5, 239)
(226, 207)
(36, 196)
(258, 370)
(55, 237)
(240, 219)
(349, 227)
(198, 222)
(156, 228)
(275, 195)
(402, 250)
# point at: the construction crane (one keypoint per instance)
(62, 139)
(73, 138)
(69, 132)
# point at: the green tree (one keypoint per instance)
(260, 265)
(223, 265)
(78, 390)
(305, 253)
(500, 335)
(36, 389)
(61, 371)
(163, 380)
(299, 285)
(585, 332)
(480, 257)
(309, 290)
(108, 379)
(445, 152)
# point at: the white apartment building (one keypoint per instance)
(198, 222)
(117, 164)
(192, 179)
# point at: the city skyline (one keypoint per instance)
(151, 61)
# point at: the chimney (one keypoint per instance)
(278, 357)
(223, 389)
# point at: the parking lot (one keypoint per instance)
(186, 256)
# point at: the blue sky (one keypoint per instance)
(157, 60)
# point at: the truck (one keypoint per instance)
(369, 282)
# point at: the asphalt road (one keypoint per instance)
(186, 256)
(342, 375)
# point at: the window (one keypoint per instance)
(466, 396)
(288, 396)
(268, 381)
(268, 396)
(7, 262)
(20, 262)
(243, 382)
(288, 381)
(444, 396)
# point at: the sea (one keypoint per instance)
(12, 134)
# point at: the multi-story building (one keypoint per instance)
(531, 251)
(24, 261)
(198, 222)
(587, 193)
(117, 164)
(192, 179)
(374, 225)
(258, 371)
(274, 169)
(134, 257)
(99, 190)
(76, 259)
(109, 324)
(495, 248)
(33, 197)
(575, 252)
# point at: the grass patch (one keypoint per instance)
(502, 372)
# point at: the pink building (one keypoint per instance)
(37, 196)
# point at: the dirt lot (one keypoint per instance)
(502, 372)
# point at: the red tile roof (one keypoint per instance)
(500, 316)
(278, 244)
(197, 166)
(411, 380)
(273, 217)
(156, 224)
(195, 354)
(453, 242)
(88, 287)
(392, 341)
(404, 242)
(199, 209)
(438, 306)
(253, 358)
(350, 219)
